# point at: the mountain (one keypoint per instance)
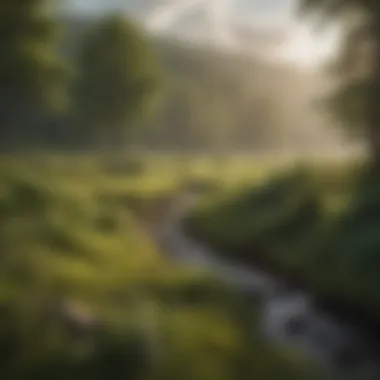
(214, 20)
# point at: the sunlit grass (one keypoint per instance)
(71, 235)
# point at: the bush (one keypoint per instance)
(84, 295)
(268, 216)
(132, 166)
(350, 250)
(286, 225)
(200, 185)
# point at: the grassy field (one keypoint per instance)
(315, 225)
(84, 292)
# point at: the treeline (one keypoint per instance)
(209, 99)
(48, 95)
(85, 82)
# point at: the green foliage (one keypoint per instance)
(117, 77)
(292, 224)
(84, 294)
(32, 75)
(351, 250)
(335, 7)
(210, 99)
(357, 68)
(273, 218)
(349, 105)
(133, 166)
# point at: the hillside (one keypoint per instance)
(223, 99)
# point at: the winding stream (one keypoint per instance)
(289, 317)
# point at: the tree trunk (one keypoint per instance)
(374, 96)
(374, 143)
(374, 118)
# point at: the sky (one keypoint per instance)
(260, 9)
(305, 46)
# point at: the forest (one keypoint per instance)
(169, 210)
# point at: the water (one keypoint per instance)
(289, 317)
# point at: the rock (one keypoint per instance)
(296, 325)
(347, 356)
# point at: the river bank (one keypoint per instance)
(289, 317)
(365, 323)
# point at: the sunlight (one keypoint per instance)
(305, 47)
(164, 15)
(309, 48)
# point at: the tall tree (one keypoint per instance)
(118, 78)
(356, 99)
(32, 75)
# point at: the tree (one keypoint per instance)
(32, 75)
(118, 78)
(355, 101)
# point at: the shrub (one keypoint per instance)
(132, 166)
(135, 316)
